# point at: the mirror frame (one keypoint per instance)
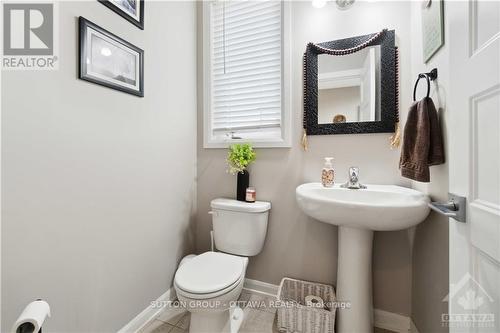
(388, 89)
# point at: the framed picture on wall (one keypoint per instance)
(432, 28)
(131, 10)
(110, 61)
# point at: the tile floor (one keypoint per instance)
(259, 317)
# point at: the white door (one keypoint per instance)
(368, 84)
(474, 160)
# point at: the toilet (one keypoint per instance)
(209, 284)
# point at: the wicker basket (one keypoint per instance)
(294, 316)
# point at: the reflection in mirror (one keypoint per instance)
(349, 87)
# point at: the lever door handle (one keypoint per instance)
(454, 208)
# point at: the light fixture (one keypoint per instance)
(319, 3)
(341, 4)
(344, 4)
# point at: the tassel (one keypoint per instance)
(304, 140)
(395, 139)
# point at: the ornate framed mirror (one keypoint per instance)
(350, 85)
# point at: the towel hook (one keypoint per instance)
(431, 76)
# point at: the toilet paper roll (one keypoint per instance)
(314, 301)
(32, 318)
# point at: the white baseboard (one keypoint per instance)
(148, 314)
(391, 321)
(151, 312)
(261, 287)
(382, 319)
(413, 327)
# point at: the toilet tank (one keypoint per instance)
(239, 227)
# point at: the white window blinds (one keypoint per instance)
(246, 68)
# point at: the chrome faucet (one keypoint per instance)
(353, 180)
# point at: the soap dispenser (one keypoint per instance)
(328, 174)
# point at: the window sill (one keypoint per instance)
(279, 143)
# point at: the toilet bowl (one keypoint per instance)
(209, 285)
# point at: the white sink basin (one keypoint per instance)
(378, 207)
(358, 213)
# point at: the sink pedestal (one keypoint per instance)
(354, 280)
(358, 213)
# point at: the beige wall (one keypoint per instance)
(99, 185)
(296, 245)
(430, 282)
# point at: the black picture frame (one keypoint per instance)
(119, 11)
(85, 24)
(388, 100)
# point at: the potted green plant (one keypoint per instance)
(238, 159)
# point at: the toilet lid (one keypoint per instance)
(240, 206)
(209, 272)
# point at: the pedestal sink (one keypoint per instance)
(358, 213)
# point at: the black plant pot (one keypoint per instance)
(243, 182)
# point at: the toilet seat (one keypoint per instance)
(210, 274)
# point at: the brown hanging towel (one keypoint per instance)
(422, 141)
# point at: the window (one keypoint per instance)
(246, 73)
